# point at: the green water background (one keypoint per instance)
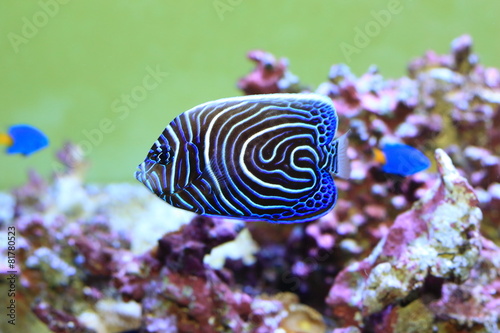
(69, 75)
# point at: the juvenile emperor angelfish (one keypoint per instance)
(262, 157)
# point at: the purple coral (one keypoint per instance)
(270, 75)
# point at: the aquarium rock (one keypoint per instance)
(437, 239)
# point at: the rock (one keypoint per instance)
(438, 237)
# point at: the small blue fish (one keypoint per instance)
(401, 159)
(24, 140)
(263, 157)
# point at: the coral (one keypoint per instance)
(269, 77)
(444, 103)
(466, 96)
(82, 246)
(112, 315)
(242, 247)
(475, 304)
(177, 290)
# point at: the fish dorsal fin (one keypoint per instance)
(343, 163)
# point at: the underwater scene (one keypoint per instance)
(229, 166)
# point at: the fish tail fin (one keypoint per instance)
(379, 156)
(342, 165)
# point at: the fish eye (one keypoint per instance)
(161, 155)
(164, 158)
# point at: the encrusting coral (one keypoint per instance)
(412, 254)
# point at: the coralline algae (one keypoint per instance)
(438, 238)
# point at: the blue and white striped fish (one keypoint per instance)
(262, 157)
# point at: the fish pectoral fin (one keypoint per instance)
(215, 171)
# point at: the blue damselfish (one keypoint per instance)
(401, 159)
(23, 139)
(262, 157)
